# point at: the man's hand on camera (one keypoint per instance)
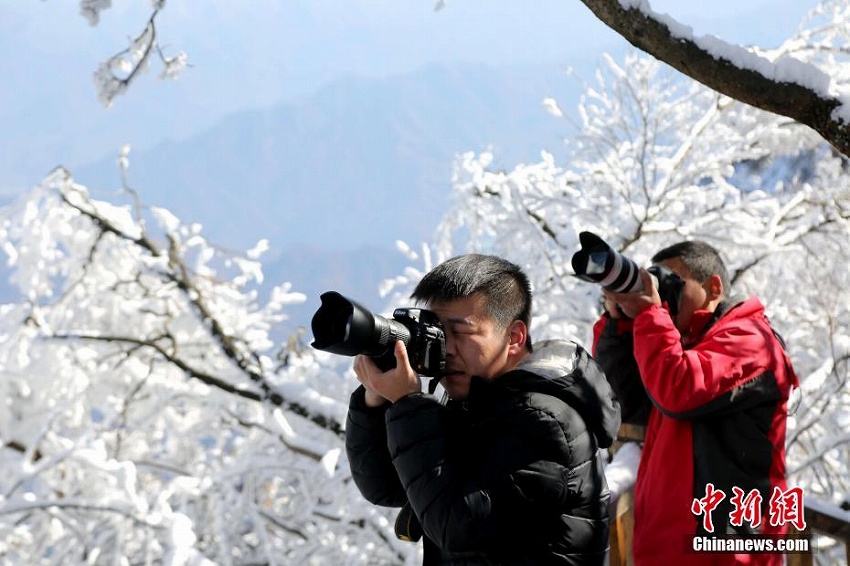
(632, 304)
(390, 385)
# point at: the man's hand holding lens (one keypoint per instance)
(634, 303)
(390, 385)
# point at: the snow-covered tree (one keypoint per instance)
(148, 416)
(773, 80)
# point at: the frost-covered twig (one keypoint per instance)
(117, 73)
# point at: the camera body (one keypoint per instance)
(426, 348)
(598, 262)
(342, 326)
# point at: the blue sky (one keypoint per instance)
(259, 53)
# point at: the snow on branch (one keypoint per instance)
(146, 404)
(196, 288)
(787, 87)
(115, 75)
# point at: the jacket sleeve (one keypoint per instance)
(508, 483)
(731, 368)
(613, 349)
(366, 446)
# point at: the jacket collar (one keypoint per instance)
(703, 320)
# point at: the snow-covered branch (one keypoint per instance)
(115, 75)
(787, 87)
(136, 368)
(176, 271)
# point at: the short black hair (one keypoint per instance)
(701, 259)
(505, 287)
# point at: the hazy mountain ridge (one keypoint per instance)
(375, 156)
(334, 179)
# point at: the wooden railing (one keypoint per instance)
(821, 519)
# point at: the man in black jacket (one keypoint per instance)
(506, 471)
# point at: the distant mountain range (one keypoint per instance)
(333, 180)
(361, 162)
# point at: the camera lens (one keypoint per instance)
(348, 324)
(598, 262)
(341, 326)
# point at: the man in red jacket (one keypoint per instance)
(716, 382)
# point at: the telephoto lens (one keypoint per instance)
(598, 262)
(342, 326)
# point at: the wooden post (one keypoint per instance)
(622, 529)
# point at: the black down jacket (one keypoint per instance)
(511, 475)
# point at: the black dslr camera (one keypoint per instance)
(598, 262)
(341, 326)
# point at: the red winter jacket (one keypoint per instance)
(718, 416)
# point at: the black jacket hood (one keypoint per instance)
(567, 371)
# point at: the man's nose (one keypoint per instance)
(450, 347)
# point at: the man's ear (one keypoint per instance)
(518, 334)
(715, 287)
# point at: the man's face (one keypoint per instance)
(475, 343)
(695, 295)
